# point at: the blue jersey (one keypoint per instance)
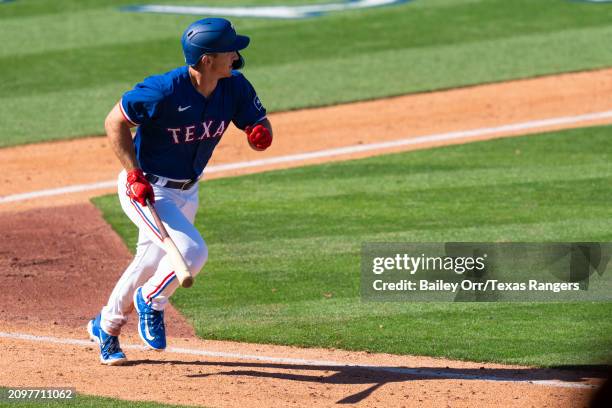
(178, 128)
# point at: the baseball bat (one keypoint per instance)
(178, 262)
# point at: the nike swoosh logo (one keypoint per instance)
(147, 333)
(181, 109)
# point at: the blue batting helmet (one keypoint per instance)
(212, 35)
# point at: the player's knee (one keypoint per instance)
(196, 256)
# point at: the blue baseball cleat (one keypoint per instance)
(110, 351)
(151, 323)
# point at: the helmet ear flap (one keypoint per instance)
(239, 63)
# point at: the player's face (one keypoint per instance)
(222, 63)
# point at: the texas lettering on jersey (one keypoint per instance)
(179, 128)
(197, 132)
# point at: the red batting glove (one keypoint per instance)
(259, 137)
(139, 188)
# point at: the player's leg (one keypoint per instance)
(152, 298)
(146, 261)
(120, 302)
(190, 243)
(106, 327)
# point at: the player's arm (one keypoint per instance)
(259, 135)
(120, 137)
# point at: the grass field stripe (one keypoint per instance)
(430, 373)
(440, 137)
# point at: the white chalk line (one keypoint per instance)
(293, 158)
(427, 373)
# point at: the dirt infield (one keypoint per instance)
(60, 259)
(89, 160)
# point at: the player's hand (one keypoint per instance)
(139, 188)
(259, 137)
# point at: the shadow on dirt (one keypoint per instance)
(379, 375)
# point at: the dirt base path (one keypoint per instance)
(90, 160)
(59, 261)
(284, 376)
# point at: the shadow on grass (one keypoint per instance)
(378, 376)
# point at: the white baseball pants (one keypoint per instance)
(151, 268)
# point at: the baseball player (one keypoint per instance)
(180, 118)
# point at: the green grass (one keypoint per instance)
(284, 248)
(64, 64)
(82, 401)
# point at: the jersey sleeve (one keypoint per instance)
(250, 109)
(143, 103)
